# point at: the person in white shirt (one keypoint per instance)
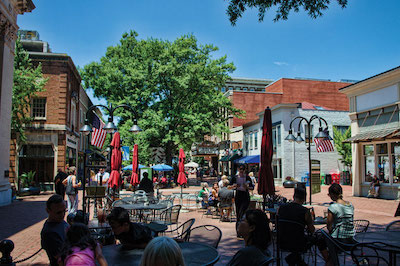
(103, 176)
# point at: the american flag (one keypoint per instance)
(324, 145)
(98, 134)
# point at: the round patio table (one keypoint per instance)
(193, 254)
(387, 237)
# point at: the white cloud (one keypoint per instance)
(281, 63)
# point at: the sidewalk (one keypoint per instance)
(22, 221)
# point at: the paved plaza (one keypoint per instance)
(23, 220)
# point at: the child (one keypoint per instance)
(80, 248)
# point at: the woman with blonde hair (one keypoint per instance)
(162, 251)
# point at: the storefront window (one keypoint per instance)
(369, 162)
(396, 162)
(383, 162)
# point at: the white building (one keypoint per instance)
(9, 9)
(375, 128)
(291, 159)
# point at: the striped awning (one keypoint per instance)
(375, 135)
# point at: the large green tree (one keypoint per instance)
(28, 80)
(174, 88)
(314, 8)
(343, 148)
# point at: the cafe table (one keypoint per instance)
(193, 254)
(387, 237)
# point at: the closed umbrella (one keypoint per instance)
(181, 177)
(116, 161)
(266, 178)
(135, 168)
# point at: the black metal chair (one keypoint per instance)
(369, 254)
(291, 237)
(360, 226)
(170, 216)
(335, 248)
(205, 234)
(182, 232)
(393, 226)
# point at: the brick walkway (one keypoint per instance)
(22, 221)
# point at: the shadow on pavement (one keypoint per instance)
(20, 215)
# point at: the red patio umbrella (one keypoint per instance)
(116, 161)
(135, 166)
(182, 177)
(266, 184)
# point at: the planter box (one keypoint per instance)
(29, 191)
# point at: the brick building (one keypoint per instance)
(53, 137)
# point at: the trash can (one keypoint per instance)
(345, 178)
(335, 178)
(328, 179)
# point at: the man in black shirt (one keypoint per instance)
(131, 235)
(54, 229)
(146, 184)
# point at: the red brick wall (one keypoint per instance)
(321, 93)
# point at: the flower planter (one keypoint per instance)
(289, 184)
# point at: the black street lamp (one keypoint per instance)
(322, 134)
(109, 128)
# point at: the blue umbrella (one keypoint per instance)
(162, 167)
(129, 167)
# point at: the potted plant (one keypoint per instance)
(27, 184)
(289, 183)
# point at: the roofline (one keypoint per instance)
(316, 80)
(357, 84)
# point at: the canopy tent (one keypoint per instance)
(129, 167)
(248, 159)
(162, 167)
(192, 164)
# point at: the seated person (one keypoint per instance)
(203, 195)
(213, 198)
(340, 216)
(146, 184)
(254, 227)
(164, 181)
(226, 197)
(292, 237)
(162, 251)
(374, 187)
(130, 235)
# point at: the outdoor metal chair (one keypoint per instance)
(118, 203)
(335, 248)
(140, 192)
(393, 226)
(170, 216)
(369, 254)
(360, 226)
(291, 237)
(182, 232)
(206, 234)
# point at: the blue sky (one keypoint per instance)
(354, 43)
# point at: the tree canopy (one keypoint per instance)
(27, 81)
(173, 86)
(343, 148)
(314, 8)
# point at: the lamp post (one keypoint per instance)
(321, 135)
(109, 128)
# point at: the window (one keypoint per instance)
(369, 162)
(308, 138)
(383, 162)
(256, 140)
(244, 89)
(39, 107)
(274, 138)
(81, 115)
(278, 135)
(246, 141)
(231, 88)
(251, 140)
(396, 161)
(223, 89)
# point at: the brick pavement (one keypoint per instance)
(22, 221)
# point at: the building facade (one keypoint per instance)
(291, 159)
(9, 10)
(53, 138)
(374, 114)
